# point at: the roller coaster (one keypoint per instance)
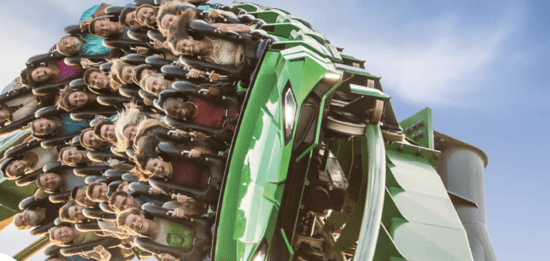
(320, 169)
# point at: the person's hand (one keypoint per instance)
(214, 91)
(17, 86)
(85, 63)
(212, 13)
(113, 162)
(148, 102)
(99, 248)
(142, 50)
(158, 44)
(181, 198)
(194, 153)
(18, 79)
(199, 136)
(210, 20)
(84, 24)
(179, 133)
(194, 73)
(178, 212)
(155, 190)
(214, 76)
(100, 117)
(222, 29)
(167, 257)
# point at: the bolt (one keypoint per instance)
(330, 187)
(436, 155)
(418, 151)
(421, 123)
(415, 137)
(307, 182)
(302, 206)
(408, 130)
(400, 147)
(421, 134)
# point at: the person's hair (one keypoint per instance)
(63, 150)
(7, 173)
(145, 125)
(180, 31)
(121, 185)
(57, 241)
(166, 9)
(128, 117)
(81, 139)
(26, 76)
(59, 44)
(21, 226)
(113, 199)
(167, 102)
(124, 13)
(63, 102)
(138, 70)
(143, 81)
(39, 183)
(97, 128)
(116, 74)
(64, 212)
(90, 191)
(91, 26)
(11, 110)
(123, 216)
(88, 74)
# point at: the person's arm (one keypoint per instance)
(237, 28)
(101, 10)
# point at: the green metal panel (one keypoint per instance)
(419, 128)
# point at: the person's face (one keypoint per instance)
(124, 203)
(131, 20)
(178, 109)
(104, 28)
(90, 140)
(82, 199)
(158, 167)
(29, 218)
(108, 132)
(187, 46)
(64, 234)
(51, 181)
(74, 156)
(127, 73)
(156, 84)
(4, 115)
(44, 126)
(137, 223)
(41, 74)
(78, 99)
(100, 192)
(99, 80)
(76, 212)
(17, 168)
(168, 20)
(146, 15)
(70, 45)
(130, 132)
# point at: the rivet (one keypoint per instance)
(408, 130)
(415, 137)
(418, 151)
(421, 123)
(307, 182)
(330, 187)
(436, 155)
(400, 147)
(302, 206)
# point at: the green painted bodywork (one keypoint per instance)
(396, 208)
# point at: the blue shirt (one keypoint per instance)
(70, 126)
(143, 199)
(93, 44)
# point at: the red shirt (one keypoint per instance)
(188, 174)
(209, 114)
(65, 71)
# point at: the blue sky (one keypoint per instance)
(482, 66)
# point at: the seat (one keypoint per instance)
(14, 94)
(221, 134)
(114, 100)
(16, 125)
(45, 58)
(62, 141)
(90, 115)
(96, 213)
(107, 242)
(142, 188)
(52, 88)
(214, 164)
(28, 178)
(43, 229)
(60, 197)
(91, 170)
(113, 174)
(188, 88)
(31, 202)
(21, 148)
(200, 226)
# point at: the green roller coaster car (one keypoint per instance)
(310, 113)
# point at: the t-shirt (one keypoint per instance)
(71, 126)
(28, 103)
(189, 174)
(89, 237)
(71, 180)
(143, 199)
(45, 156)
(93, 45)
(209, 114)
(173, 234)
(65, 71)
